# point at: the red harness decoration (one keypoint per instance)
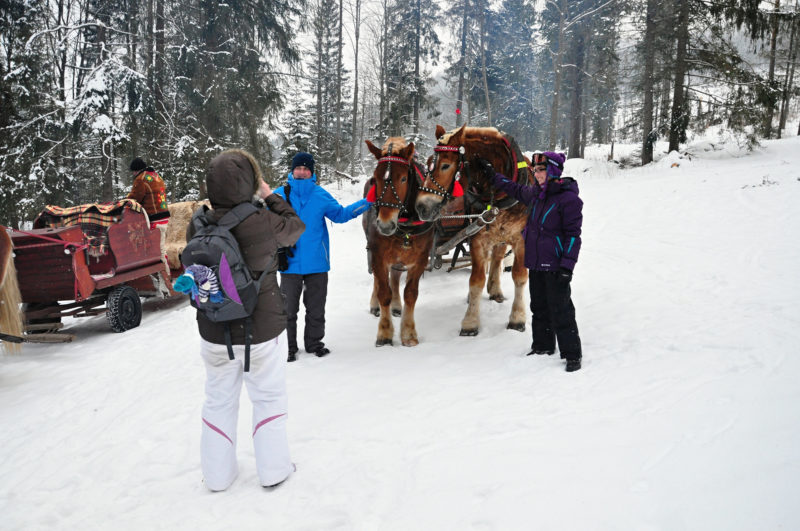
(446, 148)
(391, 158)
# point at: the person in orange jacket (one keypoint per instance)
(149, 190)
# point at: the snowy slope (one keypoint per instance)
(686, 414)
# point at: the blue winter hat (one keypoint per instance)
(554, 161)
(303, 159)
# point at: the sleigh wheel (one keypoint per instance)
(123, 309)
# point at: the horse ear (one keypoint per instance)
(408, 151)
(439, 131)
(459, 134)
(374, 150)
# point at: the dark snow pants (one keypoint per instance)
(314, 297)
(553, 315)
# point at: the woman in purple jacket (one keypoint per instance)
(552, 243)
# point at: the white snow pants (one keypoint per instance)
(266, 386)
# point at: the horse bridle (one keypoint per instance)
(462, 165)
(387, 178)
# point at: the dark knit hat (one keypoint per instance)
(554, 161)
(303, 159)
(138, 164)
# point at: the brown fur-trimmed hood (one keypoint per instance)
(232, 178)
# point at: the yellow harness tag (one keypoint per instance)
(522, 164)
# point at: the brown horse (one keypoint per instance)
(10, 319)
(454, 152)
(396, 239)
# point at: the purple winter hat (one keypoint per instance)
(555, 164)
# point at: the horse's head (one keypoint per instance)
(446, 167)
(392, 181)
(453, 155)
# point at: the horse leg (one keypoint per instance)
(495, 269)
(394, 282)
(385, 326)
(472, 319)
(408, 329)
(374, 307)
(516, 321)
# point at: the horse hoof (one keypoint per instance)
(497, 298)
(519, 327)
(468, 332)
(375, 311)
(396, 312)
(382, 342)
(410, 342)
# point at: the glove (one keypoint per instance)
(486, 168)
(563, 276)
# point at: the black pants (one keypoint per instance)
(553, 315)
(314, 297)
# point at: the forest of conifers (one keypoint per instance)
(86, 85)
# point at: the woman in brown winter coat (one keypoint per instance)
(234, 177)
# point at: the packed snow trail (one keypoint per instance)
(685, 414)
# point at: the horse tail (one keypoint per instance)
(10, 299)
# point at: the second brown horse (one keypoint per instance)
(455, 152)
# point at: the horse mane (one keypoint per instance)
(473, 134)
(486, 141)
(395, 142)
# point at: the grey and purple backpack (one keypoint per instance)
(214, 246)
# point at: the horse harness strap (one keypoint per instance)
(387, 178)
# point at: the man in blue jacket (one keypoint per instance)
(311, 257)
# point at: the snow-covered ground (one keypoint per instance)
(686, 414)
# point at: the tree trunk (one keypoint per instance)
(789, 78)
(106, 155)
(551, 144)
(577, 97)
(417, 83)
(678, 119)
(649, 134)
(133, 92)
(320, 77)
(462, 65)
(353, 136)
(339, 50)
(483, 71)
(771, 76)
(160, 58)
(148, 46)
(383, 119)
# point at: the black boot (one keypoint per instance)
(540, 352)
(322, 351)
(292, 355)
(573, 365)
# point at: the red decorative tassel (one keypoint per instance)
(371, 194)
(457, 190)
